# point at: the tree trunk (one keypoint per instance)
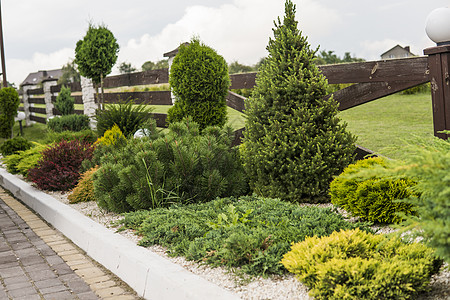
(101, 83)
(97, 97)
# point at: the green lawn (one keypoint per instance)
(383, 125)
(386, 124)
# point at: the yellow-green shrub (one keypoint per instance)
(374, 198)
(110, 136)
(354, 264)
(84, 191)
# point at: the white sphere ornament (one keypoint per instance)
(438, 26)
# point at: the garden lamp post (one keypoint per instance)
(20, 117)
(438, 30)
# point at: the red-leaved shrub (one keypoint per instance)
(59, 167)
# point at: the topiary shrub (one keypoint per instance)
(294, 141)
(9, 103)
(199, 80)
(127, 115)
(14, 145)
(22, 161)
(359, 265)
(69, 123)
(373, 198)
(182, 166)
(65, 103)
(84, 191)
(59, 168)
(86, 135)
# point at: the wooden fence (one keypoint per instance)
(371, 80)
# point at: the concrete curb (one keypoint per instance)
(149, 274)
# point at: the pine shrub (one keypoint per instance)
(250, 233)
(294, 142)
(353, 264)
(199, 80)
(127, 115)
(9, 103)
(69, 123)
(65, 103)
(59, 168)
(84, 191)
(182, 166)
(376, 199)
(14, 145)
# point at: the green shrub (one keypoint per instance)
(13, 145)
(110, 136)
(69, 123)
(21, 162)
(251, 233)
(183, 166)
(422, 88)
(354, 264)
(294, 142)
(84, 190)
(128, 116)
(65, 103)
(9, 103)
(199, 80)
(373, 198)
(86, 135)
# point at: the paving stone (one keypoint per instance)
(11, 272)
(19, 285)
(77, 285)
(62, 269)
(29, 297)
(109, 292)
(32, 260)
(42, 284)
(64, 295)
(16, 279)
(54, 260)
(22, 292)
(42, 274)
(88, 296)
(53, 289)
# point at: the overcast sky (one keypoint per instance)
(41, 35)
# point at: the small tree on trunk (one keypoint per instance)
(96, 54)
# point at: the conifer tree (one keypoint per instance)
(294, 142)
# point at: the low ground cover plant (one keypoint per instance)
(374, 198)
(86, 135)
(59, 167)
(22, 161)
(84, 190)
(181, 166)
(249, 232)
(352, 264)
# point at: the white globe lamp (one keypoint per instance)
(438, 26)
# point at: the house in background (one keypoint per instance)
(397, 52)
(37, 77)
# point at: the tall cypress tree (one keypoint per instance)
(294, 142)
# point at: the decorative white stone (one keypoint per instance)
(88, 95)
(26, 103)
(48, 97)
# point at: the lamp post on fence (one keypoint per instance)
(438, 30)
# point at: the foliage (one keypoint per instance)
(86, 135)
(22, 161)
(14, 145)
(182, 166)
(353, 264)
(96, 54)
(199, 80)
(374, 198)
(294, 141)
(236, 67)
(65, 103)
(428, 163)
(160, 64)
(329, 57)
(126, 68)
(9, 103)
(69, 74)
(84, 190)
(69, 123)
(422, 88)
(252, 233)
(111, 136)
(128, 116)
(59, 168)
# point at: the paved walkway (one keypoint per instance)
(38, 262)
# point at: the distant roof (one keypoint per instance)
(175, 51)
(406, 48)
(39, 76)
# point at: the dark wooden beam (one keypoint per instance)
(38, 119)
(36, 100)
(236, 101)
(242, 81)
(153, 98)
(38, 110)
(38, 91)
(138, 78)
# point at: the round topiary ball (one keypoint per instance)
(199, 80)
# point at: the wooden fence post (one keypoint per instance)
(439, 65)
(26, 103)
(46, 85)
(88, 96)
